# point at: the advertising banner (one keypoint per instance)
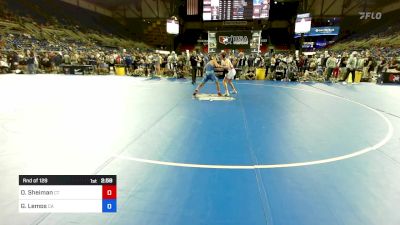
(233, 40)
(321, 31)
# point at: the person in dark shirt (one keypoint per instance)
(193, 64)
(13, 58)
(31, 62)
(242, 64)
(45, 63)
(267, 63)
(393, 64)
(381, 66)
(128, 63)
(343, 66)
(250, 60)
(368, 66)
(58, 61)
(301, 64)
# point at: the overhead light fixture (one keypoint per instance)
(276, 2)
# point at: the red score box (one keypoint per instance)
(109, 191)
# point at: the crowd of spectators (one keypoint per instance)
(22, 52)
(320, 66)
(323, 65)
(103, 60)
(29, 52)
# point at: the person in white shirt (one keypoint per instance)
(330, 66)
(172, 60)
(351, 67)
(242, 64)
(225, 62)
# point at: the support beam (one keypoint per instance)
(304, 6)
(342, 14)
(118, 14)
(168, 8)
(151, 8)
(311, 5)
(351, 8)
(388, 8)
(158, 8)
(329, 7)
(90, 6)
(133, 11)
(322, 7)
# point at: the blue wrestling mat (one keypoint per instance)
(278, 154)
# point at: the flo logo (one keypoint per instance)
(233, 40)
(370, 15)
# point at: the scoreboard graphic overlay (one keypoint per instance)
(67, 194)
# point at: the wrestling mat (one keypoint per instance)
(213, 97)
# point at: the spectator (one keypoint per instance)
(320, 65)
(330, 66)
(31, 62)
(267, 63)
(66, 58)
(3, 64)
(258, 61)
(172, 61)
(393, 64)
(369, 65)
(343, 66)
(111, 62)
(45, 63)
(273, 64)
(301, 64)
(250, 75)
(351, 66)
(242, 64)
(58, 61)
(381, 65)
(13, 59)
(250, 60)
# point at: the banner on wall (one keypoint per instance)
(233, 40)
(321, 31)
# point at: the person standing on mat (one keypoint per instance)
(209, 74)
(230, 75)
(193, 63)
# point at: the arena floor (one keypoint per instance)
(279, 154)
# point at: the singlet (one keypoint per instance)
(209, 67)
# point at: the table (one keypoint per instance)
(390, 77)
(76, 69)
